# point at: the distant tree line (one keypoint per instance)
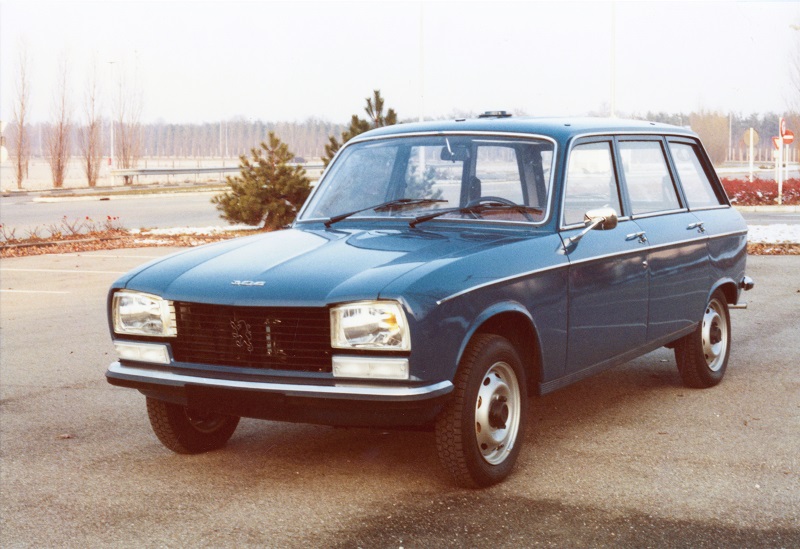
(208, 140)
(309, 139)
(235, 137)
(723, 134)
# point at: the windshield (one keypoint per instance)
(422, 175)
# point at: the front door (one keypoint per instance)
(608, 281)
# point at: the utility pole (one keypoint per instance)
(613, 59)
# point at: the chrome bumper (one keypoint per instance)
(340, 390)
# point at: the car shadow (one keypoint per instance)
(588, 409)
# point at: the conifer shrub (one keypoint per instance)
(268, 190)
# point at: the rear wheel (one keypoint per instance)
(479, 432)
(188, 431)
(702, 356)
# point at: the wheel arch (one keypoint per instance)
(513, 322)
(729, 288)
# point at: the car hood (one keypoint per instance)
(298, 267)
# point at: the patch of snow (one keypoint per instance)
(193, 230)
(774, 234)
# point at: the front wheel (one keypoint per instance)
(186, 431)
(702, 356)
(479, 432)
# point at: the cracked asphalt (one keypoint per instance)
(629, 458)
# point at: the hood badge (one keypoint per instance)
(248, 283)
(242, 335)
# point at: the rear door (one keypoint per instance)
(723, 227)
(677, 257)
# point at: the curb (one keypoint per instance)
(770, 209)
(112, 196)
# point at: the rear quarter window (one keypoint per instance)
(696, 185)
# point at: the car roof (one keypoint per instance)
(561, 129)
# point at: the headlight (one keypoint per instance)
(136, 313)
(370, 325)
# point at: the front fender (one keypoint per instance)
(486, 315)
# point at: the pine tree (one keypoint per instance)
(377, 119)
(268, 190)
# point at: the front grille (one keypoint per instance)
(282, 338)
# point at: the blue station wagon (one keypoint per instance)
(439, 275)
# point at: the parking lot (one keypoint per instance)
(629, 458)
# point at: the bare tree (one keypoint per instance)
(128, 127)
(794, 72)
(21, 148)
(57, 138)
(91, 140)
(712, 127)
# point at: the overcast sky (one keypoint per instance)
(207, 61)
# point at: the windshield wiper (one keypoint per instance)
(399, 203)
(477, 209)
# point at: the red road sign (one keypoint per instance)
(782, 126)
(788, 137)
(776, 142)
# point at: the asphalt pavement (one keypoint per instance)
(629, 458)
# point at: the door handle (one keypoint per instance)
(640, 236)
(698, 226)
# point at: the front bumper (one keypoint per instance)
(339, 403)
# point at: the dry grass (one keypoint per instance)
(109, 240)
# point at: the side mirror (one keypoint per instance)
(603, 219)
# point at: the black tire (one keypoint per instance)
(479, 432)
(702, 356)
(187, 431)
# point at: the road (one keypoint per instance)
(26, 213)
(23, 214)
(771, 218)
(629, 458)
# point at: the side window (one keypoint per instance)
(591, 182)
(696, 186)
(498, 172)
(647, 177)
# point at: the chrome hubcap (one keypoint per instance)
(715, 335)
(497, 411)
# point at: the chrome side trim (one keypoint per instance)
(290, 389)
(709, 208)
(723, 235)
(501, 281)
(657, 213)
(639, 250)
(427, 133)
(662, 132)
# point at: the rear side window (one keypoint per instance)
(591, 182)
(647, 177)
(696, 186)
